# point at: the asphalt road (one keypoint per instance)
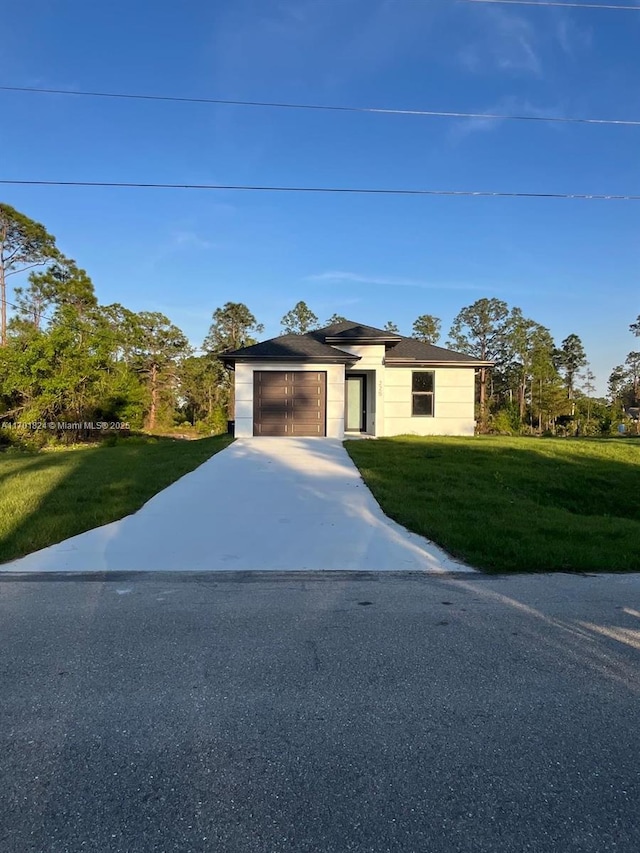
(286, 713)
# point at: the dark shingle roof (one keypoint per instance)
(312, 347)
(290, 348)
(411, 350)
(350, 331)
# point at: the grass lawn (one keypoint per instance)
(513, 504)
(48, 496)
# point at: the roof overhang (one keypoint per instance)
(298, 359)
(405, 362)
(341, 339)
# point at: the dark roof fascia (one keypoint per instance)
(345, 359)
(342, 339)
(388, 362)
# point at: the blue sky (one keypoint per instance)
(570, 265)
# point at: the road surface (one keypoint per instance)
(301, 713)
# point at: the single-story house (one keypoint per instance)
(349, 378)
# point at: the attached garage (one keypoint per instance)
(289, 403)
(303, 385)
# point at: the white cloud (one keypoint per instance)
(300, 43)
(516, 42)
(190, 240)
(508, 106)
(510, 42)
(381, 33)
(342, 277)
(571, 37)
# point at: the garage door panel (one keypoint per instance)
(290, 430)
(307, 414)
(274, 412)
(279, 377)
(308, 380)
(269, 377)
(271, 393)
(289, 403)
(270, 429)
(309, 402)
(301, 408)
(276, 388)
(267, 405)
(308, 430)
(301, 397)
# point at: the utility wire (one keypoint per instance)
(326, 107)
(18, 308)
(97, 334)
(342, 190)
(52, 319)
(615, 7)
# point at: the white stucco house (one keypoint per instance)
(348, 379)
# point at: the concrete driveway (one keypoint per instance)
(275, 504)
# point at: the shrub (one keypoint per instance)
(505, 421)
(215, 424)
(24, 440)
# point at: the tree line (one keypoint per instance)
(64, 357)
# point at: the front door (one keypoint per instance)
(356, 403)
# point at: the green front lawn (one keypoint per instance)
(48, 496)
(513, 504)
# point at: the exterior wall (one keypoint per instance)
(372, 363)
(244, 394)
(453, 402)
(388, 396)
(371, 355)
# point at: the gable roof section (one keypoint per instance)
(290, 348)
(412, 351)
(321, 345)
(350, 332)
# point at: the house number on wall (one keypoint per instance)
(380, 387)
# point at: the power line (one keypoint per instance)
(327, 107)
(615, 7)
(97, 334)
(52, 319)
(18, 308)
(341, 190)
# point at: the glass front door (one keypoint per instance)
(356, 403)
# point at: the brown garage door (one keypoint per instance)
(289, 402)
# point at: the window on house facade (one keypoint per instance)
(422, 384)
